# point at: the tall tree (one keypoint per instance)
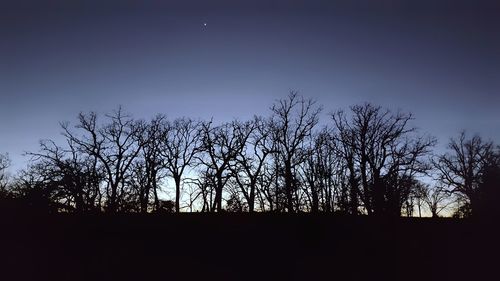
(293, 120)
(347, 150)
(320, 172)
(149, 168)
(384, 151)
(249, 163)
(115, 144)
(221, 145)
(463, 167)
(180, 145)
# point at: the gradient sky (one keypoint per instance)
(437, 59)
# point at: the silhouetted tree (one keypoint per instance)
(370, 161)
(293, 120)
(320, 172)
(463, 168)
(267, 183)
(194, 191)
(74, 177)
(180, 144)
(149, 168)
(249, 163)
(436, 198)
(38, 191)
(383, 153)
(221, 145)
(115, 145)
(206, 184)
(347, 151)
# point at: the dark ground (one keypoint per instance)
(246, 247)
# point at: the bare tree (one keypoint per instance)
(73, 176)
(319, 172)
(267, 194)
(462, 168)
(180, 145)
(38, 187)
(370, 161)
(250, 161)
(195, 190)
(205, 184)
(436, 198)
(149, 168)
(383, 150)
(115, 145)
(221, 145)
(347, 151)
(293, 120)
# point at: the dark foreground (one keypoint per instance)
(246, 247)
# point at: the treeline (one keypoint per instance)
(366, 160)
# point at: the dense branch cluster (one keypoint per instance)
(367, 160)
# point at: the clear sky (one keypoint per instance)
(232, 59)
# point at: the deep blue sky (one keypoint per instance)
(437, 59)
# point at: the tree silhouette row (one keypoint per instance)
(365, 160)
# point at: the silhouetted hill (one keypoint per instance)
(245, 247)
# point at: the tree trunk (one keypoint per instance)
(218, 194)
(112, 208)
(378, 195)
(143, 197)
(251, 201)
(157, 200)
(353, 194)
(288, 186)
(177, 180)
(315, 199)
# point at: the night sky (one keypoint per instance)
(232, 59)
